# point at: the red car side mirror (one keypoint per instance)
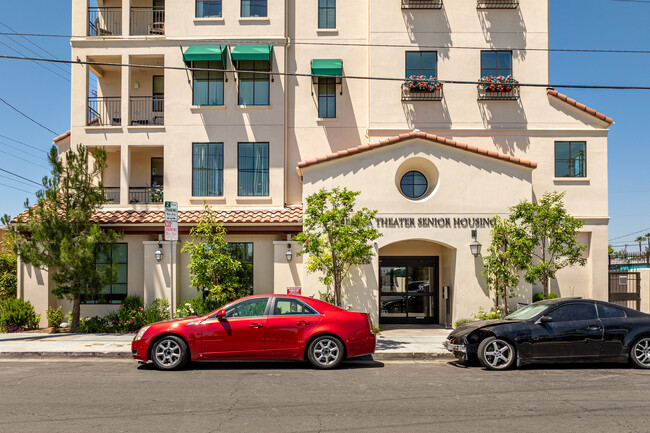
(221, 314)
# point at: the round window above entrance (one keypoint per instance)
(414, 184)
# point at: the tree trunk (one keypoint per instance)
(76, 313)
(545, 286)
(337, 289)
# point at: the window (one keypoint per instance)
(253, 87)
(326, 97)
(243, 251)
(571, 312)
(157, 171)
(570, 159)
(207, 169)
(248, 308)
(158, 93)
(609, 312)
(208, 85)
(289, 306)
(326, 14)
(495, 63)
(413, 184)
(208, 8)
(422, 63)
(116, 292)
(253, 8)
(253, 168)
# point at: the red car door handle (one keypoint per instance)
(302, 323)
(255, 326)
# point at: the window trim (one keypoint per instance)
(96, 297)
(196, 9)
(254, 80)
(497, 65)
(207, 169)
(414, 184)
(330, 81)
(328, 26)
(268, 167)
(241, 9)
(406, 68)
(233, 304)
(223, 81)
(555, 160)
(282, 298)
(252, 263)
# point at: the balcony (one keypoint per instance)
(497, 4)
(488, 95)
(146, 195)
(421, 4)
(112, 195)
(147, 21)
(104, 111)
(421, 95)
(147, 110)
(104, 21)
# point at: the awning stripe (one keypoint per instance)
(327, 67)
(198, 53)
(252, 52)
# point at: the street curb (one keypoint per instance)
(415, 356)
(55, 355)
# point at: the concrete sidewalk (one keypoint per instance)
(394, 343)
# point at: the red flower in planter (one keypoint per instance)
(498, 84)
(420, 82)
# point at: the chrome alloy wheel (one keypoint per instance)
(168, 353)
(641, 352)
(498, 354)
(326, 352)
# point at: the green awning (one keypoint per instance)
(327, 67)
(252, 52)
(198, 53)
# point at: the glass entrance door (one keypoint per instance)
(408, 290)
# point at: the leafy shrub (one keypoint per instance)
(16, 314)
(129, 318)
(199, 306)
(540, 296)
(8, 284)
(489, 315)
(157, 311)
(94, 325)
(54, 317)
(132, 302)
(459, 322)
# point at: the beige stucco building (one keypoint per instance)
(435, 164)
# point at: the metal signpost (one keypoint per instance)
(171, 235)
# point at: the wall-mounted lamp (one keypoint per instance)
(475, 246)
(158, 254)
(136, 84)
(289, 254)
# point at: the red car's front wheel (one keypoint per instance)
(326, 352)
(169, 353)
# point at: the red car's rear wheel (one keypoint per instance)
(326, 352)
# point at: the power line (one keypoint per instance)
(42, 66)
(25, 115)
(19, 189)
(14, 180)
(23, 150)
(359, 44)
(295, 74)
(23, 159)
(630, 234)
(17, 175)
(23, 143)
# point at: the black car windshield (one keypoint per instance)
(528, 312)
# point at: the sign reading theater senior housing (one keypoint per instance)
(171, 221)
(434, 221)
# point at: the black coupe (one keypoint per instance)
(556, 330)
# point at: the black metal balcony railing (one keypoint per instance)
(112, 194)
(104, 21)
(147, 110)
(104, 111)
(146, 194)
(147, 21)
(497, 4)
(421, 95)
(487, 95)
(421, 4)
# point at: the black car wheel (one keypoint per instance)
(326, 352)
(169, 353)
(640, 353)
(496, 354)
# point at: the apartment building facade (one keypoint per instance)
(291, 96)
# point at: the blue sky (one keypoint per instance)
(574, 24)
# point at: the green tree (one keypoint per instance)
(61, 236)
(610, 250)
(335, 236)
(213, 263)
(640, 239)
(8, 271)
(549, 235)
(507, 256)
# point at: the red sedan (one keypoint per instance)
(260, 327)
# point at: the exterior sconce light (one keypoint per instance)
(289, 254)
(475, 246)
(158, 254)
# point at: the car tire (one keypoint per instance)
(496, 354)
(169, 353)
(640, 352)
(326, 352)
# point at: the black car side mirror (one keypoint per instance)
(544, 320)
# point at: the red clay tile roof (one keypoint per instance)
(422, 135)
(287, 215)
(61, 137)
(578, 105)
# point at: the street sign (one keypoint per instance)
(294, 291)
(171, 211)
(171, 230)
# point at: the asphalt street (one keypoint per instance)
(363, 396)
